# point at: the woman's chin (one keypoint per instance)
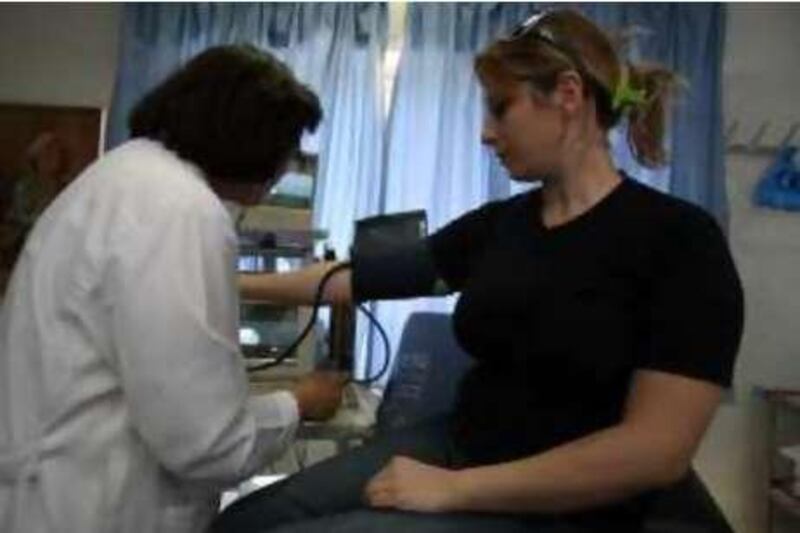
(519, 174)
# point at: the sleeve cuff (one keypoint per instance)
(276, 412)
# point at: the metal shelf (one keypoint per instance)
(274, 252)
(780, 497)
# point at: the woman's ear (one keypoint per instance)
(569, 92)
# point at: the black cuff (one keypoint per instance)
(405, 272)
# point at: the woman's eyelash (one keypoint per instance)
(497, 108)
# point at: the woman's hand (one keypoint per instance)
(410, 485)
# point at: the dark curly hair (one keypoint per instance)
(235, 111)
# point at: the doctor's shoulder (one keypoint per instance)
(153, 178)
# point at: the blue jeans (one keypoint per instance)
(328, 496)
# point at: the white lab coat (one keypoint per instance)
(123, 397)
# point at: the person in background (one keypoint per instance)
(42, 176)
(124, 402)
(9, 232)
(604, 319)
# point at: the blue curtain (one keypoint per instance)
(434, 157)
(335, 48)
(430, 156)
(689, 39)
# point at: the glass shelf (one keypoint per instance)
(782, 494)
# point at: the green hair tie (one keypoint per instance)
(626, 96)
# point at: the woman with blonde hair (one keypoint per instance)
(604, 319)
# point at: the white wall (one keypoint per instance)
(61, 54)
(761, 79)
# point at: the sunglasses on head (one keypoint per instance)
(528, 25)
(533, 27)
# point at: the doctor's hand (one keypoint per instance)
(410, 485)
(319, 394)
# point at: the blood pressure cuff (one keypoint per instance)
(403, 272)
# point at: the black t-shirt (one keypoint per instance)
(558, 319)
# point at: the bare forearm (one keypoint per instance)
(664, 419)
(599, 469)
(299, 287)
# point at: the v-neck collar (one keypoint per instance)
(593, 213)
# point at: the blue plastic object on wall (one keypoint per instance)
(779, 187)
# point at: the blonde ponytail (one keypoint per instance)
(647, 119)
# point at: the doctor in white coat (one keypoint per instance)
(124, 403)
